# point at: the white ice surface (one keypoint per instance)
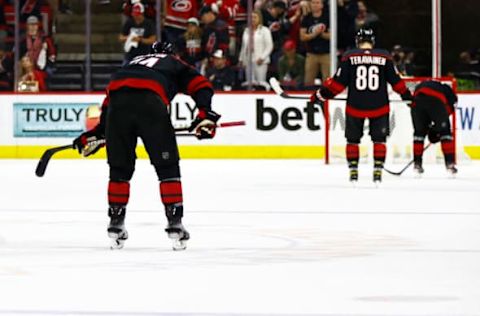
(269, 237)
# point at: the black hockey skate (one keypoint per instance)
(377, 176)
(353, 175)
(418, 169)
(175, 229)
(116, 229)
(377, 172)
(353, 166)
(452, 170)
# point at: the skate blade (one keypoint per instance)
(116, 244)
(378, 184)
(177, 242)
(451, 175)
(354, 183)
(117, 241)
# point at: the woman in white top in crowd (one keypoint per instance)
(262, 48)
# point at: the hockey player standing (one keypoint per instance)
(433, 104)
(365, 71)
(137, 106)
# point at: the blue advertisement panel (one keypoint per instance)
(50, 119)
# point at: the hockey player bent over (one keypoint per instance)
(433, 103)
(137, 106)
(365, 71)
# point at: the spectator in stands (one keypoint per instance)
(297, 10)
(291, 67)
(189, 45)
(149, 5)
(275, 19)
(31, 80)
(29, 8)
(226, 11)
(6, 69)
(399, 57)
(3, 23)
(468, 64)
(138, 34)
(38, 47)
(261, 50)
(177, 14)
(240, 23)
(221, 75)
(215, 33)
(347, 13)
(314, 31)
(365, 18)
(467, 71)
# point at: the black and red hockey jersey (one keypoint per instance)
(438, 90)
(166, 75)
(365, 72)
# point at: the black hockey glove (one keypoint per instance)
(316, 98)
(407, 96)
(89, 142)
(433, 136)
(205, 124)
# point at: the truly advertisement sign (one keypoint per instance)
(53, 119)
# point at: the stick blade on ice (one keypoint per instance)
(43, 162)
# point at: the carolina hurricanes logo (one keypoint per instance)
(181, 5)
(315, 27)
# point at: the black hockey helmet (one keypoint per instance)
(163, 48)
(365, 35)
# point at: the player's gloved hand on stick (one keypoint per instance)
(205, 124)
(89, 142)
(433, 136)
(316, 98)
(407, 96)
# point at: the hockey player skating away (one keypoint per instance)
(433, 103)
(138, 98)
(365, 71)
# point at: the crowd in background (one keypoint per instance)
(289, 39)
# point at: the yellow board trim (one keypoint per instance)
(202, 152)
(472, 151)
(186, 152)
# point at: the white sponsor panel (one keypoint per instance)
(468, 118)
(270, 120)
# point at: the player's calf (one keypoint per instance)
(118, 195)
(171, 193)
(379, 154)
(353, 154)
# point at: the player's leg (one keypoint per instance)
(158, 135)
(421, 122)
(353, 134)
(121, 143)
(379, 131)
(441, 126)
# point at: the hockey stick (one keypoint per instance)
(47, 155)
(43, 162)
(279, 91)
(226, 124)
(399, 173)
